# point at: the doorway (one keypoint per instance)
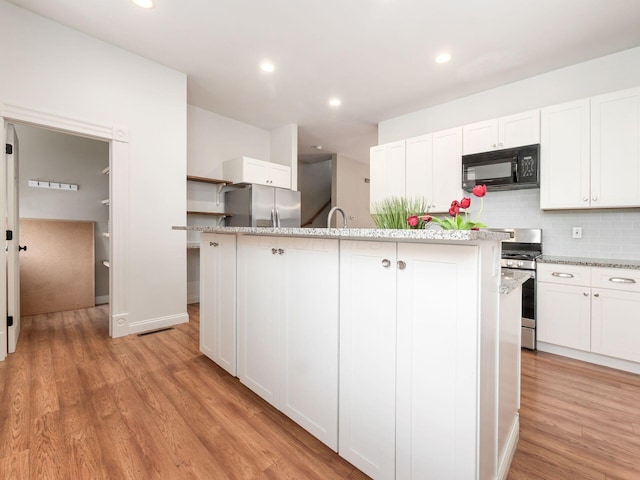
(64, 223)
(117, 139)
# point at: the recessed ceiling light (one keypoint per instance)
(335, 102)
(143, 3)
(267, 66)
(443, 58)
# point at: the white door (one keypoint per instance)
(13, 265)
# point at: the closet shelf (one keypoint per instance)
(215, 181)
(212, 214)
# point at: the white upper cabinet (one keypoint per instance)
(447, 169)
(504, 132)
(251, 170)
(590, 152)
(615, 149)
(387, 172)
(428, 166)
(565, 155)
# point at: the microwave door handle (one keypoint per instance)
(516, 172)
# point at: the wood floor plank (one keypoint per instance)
(77, 404)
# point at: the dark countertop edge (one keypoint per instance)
(590, 262)
(357, 233)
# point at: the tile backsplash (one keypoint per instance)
(606, 233)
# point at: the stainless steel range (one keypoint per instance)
(519, 253)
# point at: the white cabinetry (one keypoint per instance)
(590, 308)
(590, 152)
(615, 321)
(251, 170)
(504, 132)
(218, 299)
(565, 174)
(387, 172)
(615, 149)
(399, 416)
(428, 166)
(288, 327)
(563, 310)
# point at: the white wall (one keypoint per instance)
(211, 140)
(602, 75)
(314, 182)
(351, 192)
(606, 233)
(51, 68)
(48, 155)
(284, 150)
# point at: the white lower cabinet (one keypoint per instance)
(590, 308)
(408, 402)
(218, 299)
(288, 328)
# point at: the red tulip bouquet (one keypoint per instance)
(459, 219)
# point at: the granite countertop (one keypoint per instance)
(358, 233)
(512, 279)
(590, 262)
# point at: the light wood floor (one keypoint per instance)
(75, 404)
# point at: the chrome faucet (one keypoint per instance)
(336, 209)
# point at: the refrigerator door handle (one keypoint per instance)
(273, 217)
(277, 218)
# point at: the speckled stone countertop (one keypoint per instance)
(359, 233)
(512, 279)
(590, 262)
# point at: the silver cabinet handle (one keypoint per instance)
(585, 199)
(585, 294)
(596, 295)
(386, 263)
(562, 275)
(621, 280)
(401, 265)
(274, 251)
(213, 244)
(595, 199)
(280, 251)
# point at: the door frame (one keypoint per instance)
(118, 138)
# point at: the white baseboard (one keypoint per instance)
(590, 357)
(193, 299)
(509, 449)
(101, 300)
(157, 323)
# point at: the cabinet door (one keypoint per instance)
(419, 168)
(368, 356)
(565, 156)
(255, 171)
(564, 315)
(218, 299)
(309, 335)
(279, 176)
(519, 130)
(615, 149)
(480, 137)
(437, 385)
(258, 319)
(615, 324)
(447, 169)
(387, 172)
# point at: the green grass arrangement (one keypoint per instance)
(392, 212)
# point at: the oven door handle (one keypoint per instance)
(562, 275)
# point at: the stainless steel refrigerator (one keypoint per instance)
(262, 206)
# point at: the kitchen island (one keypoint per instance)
(384, 344)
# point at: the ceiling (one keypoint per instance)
(377, 56)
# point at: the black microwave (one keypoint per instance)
(507, 169)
